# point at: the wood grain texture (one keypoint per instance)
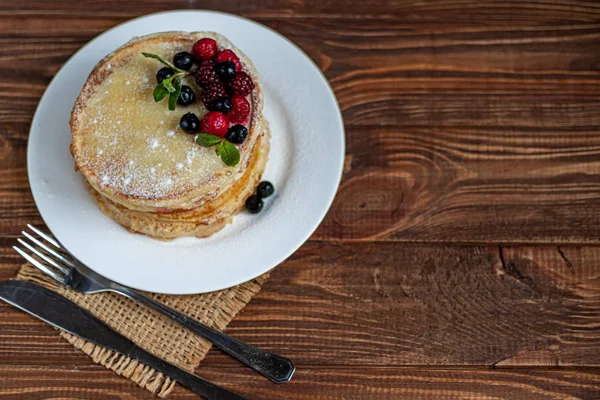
(95, 383)
(456, 132)
(518, 12)
(460, 259)
(468, 185)
(388, 304)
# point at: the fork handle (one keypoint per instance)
(276, 368)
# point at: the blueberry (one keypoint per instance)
(254, 204)
(187, 96)
(265, 189)
(222, 104)
(164, 73)
(183, 60)
(237, 134)
(189, 123)
(225, 70)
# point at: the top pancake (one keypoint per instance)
(131, 148)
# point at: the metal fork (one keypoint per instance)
(47, 254)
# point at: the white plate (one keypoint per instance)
(305, 165)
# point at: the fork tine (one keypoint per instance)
(50, 251)
(39, 265)
(45, 236)
(43, 256)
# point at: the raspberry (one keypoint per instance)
(240, 111)
(204, 49)
(205, 75)
(241, 84)
(215, 123)
(228, 55)
(212, 93)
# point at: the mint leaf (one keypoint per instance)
(168, 84)
(229, 154)
(173, 101)
(207, 140)
(160, 92)
(162, 60)
(175, 95)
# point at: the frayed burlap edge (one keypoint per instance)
(224, 306)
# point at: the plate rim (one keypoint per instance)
(301, 240)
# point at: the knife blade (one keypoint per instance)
(62, 313)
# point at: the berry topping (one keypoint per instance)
(241, 84)
(183, 60)
(206, 75)
(225, 70)
(254, 204)
(215, 123)
(204, 49)
(240, 111)
(164, 73)
(212, 93)
(237, 134)
(189, 123)
(187, 96)
(228, 55)
(265, 189)
(222, 104)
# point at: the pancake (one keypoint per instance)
(143, 170)
(203, 221)
(131, 149)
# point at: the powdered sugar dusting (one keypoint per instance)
(134, 144)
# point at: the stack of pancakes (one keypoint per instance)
(142, 169)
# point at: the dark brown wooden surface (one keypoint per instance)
(461, 257)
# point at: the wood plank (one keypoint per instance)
(396, 383)
(463, 11)
(461, 134)
(444, 75)
(467, 122)
(468, 185)
(391, 304)
(96, 383)
(426, 185)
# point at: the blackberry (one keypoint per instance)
(241, 84)
(212, 93)
(206, 75)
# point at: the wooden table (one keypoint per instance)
(460, 259)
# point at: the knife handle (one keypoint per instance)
(192, 382)
(276, 368)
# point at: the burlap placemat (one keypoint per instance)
(150, 330)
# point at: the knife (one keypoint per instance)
(62, 313)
